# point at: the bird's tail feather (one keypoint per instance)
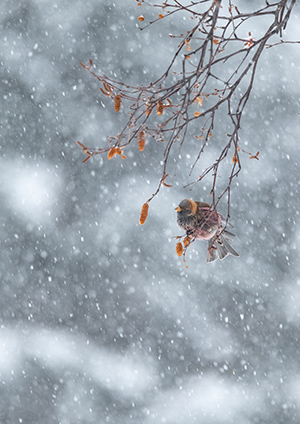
(220, 248)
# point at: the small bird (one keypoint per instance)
(201, 222)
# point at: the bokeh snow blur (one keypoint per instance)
(100, 320)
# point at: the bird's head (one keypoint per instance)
(187, 207)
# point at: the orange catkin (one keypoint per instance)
(144, 213)
(179, 249)
(148, 109)
(117, 102)
(142, 140)
(159, 108)
(113, 152)
(186, 241)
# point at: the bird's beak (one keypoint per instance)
(178, 209)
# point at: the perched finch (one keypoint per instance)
(201, 222)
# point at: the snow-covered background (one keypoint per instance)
(99, 322)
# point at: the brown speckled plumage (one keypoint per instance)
(201, 222)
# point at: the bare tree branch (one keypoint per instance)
(204, 85)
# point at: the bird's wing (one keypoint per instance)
(202, 205)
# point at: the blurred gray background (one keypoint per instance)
(100, 320)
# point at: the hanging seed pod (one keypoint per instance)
(186, 241)
(159, 108)
(179, 249)
(144, 213)
(113, 152)
(142, 140)
(117, 102)
(148, 109)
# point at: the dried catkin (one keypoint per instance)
(144, 213)
(142, 140)
(179, 249)
(159, 108)
(117, 102)
(113, 152)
